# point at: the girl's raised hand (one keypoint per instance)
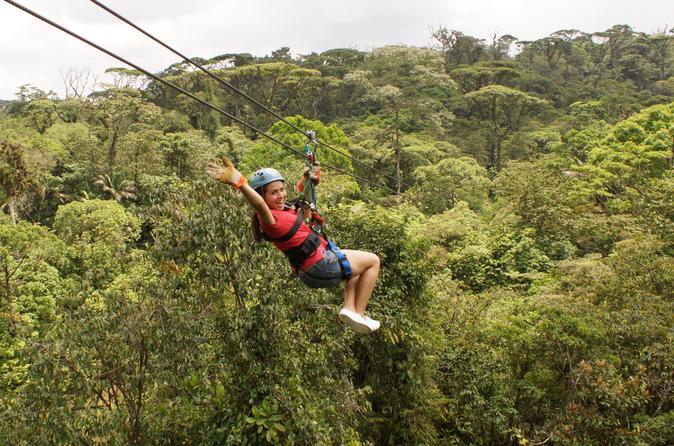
(226, 173)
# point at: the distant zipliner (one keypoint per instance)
(317, 261)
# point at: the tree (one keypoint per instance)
(421, 150)
(85, 157)
(440, 186)
(117, 112)
(125, 190)
(392, 99)
(78, 81)
(499, 48)
(553, 48)
(41, 113)
(140, 151)
(185, 152)
(457, 48)
(125, 78)
(98, 234)
(540, 197)
(14, 174)
(282, 53)
(398, 101)
(477, 76)
(661, 52)
(264, 82)
(399, 369)
(333, 187)
(28, 92)
(31, 285)
(306, 91)
(615, 41)
(504, 109)
(335, 62)
(633, 152)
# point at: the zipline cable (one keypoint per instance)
(232, 87)
(187, 93)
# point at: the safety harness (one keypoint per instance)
(307, 186)
(303, 251)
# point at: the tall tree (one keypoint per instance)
(14, 174)
(457, 48)
(504, 110)
(661, 52)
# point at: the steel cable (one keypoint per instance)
(232, 87)
(187, 93)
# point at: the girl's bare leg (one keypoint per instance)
(358, 289)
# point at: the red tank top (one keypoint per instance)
(284, 221)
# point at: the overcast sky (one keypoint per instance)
(34, 53)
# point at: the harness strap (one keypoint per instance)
(288, 235)
(300, 253)
(304, 250)
(344, 264)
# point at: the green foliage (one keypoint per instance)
(31, 287)
(525, 291)
(14, 177)
(440, 186)
(504, 109)
(184, 152)
(41, 114)
(96, 221)
(279, 356)
(397, 366)
(477, 76)
(332, 186)
(98, 234)
(634, 150)
(539, 196)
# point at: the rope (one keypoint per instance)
(232, 87)
(187, 93)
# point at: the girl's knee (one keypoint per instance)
(372, 259)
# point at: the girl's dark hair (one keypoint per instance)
(256, 228)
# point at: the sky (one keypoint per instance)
(33, 52)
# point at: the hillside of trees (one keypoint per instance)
(527, 285)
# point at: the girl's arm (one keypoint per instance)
(228, 174)
(258, 204)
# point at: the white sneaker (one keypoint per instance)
(355, 321)
(371, 323)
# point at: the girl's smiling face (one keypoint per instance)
(275, 195)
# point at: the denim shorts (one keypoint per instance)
(325, 273)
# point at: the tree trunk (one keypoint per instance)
(11, 204)
(135, 437)
(8, 293)
(397, 150)
(495, 155)
(491, 163)
(499, 142)
(112, 153)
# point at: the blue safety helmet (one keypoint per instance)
(264, 176)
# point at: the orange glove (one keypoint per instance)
(315, 172)
(227, 174)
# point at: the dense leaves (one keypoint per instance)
(527, 272)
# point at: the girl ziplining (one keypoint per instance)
(317, 262)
